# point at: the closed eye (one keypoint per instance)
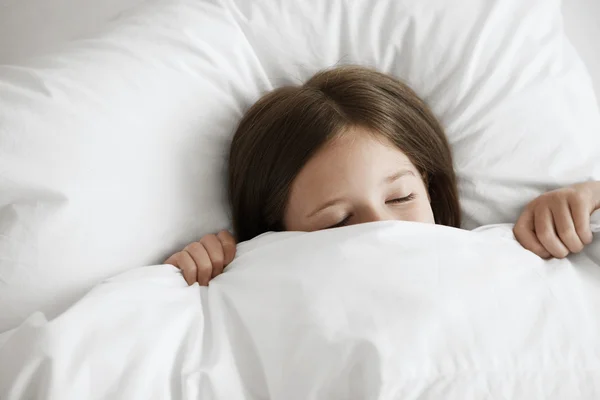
(341, 223)
(401, 199)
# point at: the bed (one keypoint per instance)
(115, 120)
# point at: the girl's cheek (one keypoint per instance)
(425, 214)
(419, 212)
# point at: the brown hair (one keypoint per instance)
(285, 128)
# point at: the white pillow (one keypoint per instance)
(30, 27)
(582, 27)
(112, 151)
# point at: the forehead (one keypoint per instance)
(357, 154)
(357, 145)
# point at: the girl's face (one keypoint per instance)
(356, 178)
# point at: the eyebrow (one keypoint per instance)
(395, 176)
(388, 179)
(324, 206)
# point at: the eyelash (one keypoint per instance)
(401, 199)
(393, 201)
(341, 223)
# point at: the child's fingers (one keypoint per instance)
(203, 264)
(546, 233)
(525, 234)
(565, 228)
(213, 247)
(187, 266)
(581, 219)
(229, 245)
(172, 260)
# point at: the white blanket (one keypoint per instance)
(377, 311)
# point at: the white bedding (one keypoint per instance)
(32, 27)
(131, 127)
(581, 25)
(390, 310)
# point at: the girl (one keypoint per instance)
(351, 146)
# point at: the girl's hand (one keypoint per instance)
(558, 222)
(205, 259)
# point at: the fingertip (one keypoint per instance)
(190, 279)
(216, 273)
(533, 245)
(225, 234)
(545, 255)
(560, 253)
(541, 252)
(170, 260)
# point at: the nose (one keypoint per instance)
(373, 214)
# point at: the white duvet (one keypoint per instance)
(377, 311)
